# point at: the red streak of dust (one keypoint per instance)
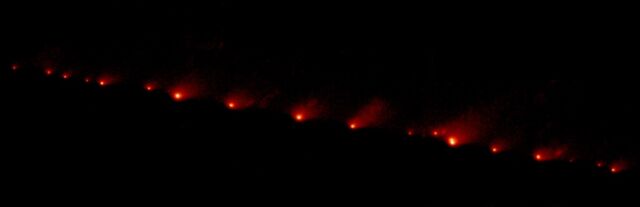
(105, 80)
(498, 145)
(469, 127)
(149, 87)
(185, 89)
(239, 99)
(618, 166)
(614, 170)
(307, 110)
(371, 115)
(551, 153)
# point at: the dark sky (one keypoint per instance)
(548, 76)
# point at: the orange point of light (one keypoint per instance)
(177, 96)
(48, 71)
(614, 170)
(538, 157)
(102, 83)
(453, 141)
(299, 117)
(494, 149)
(353, 126)
(231, 105)
(65, 76)
(435, 133)
(149, 87)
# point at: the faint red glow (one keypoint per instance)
(102, 83)
(48, 71)
(149, 87)
(614, 170)
(87, 80)
(600, 164)
(435, 133)
(66, 76)
(410, 132)
(498, 145)
(14, 67)
(452, 141)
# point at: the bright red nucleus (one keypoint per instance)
(241, 99)
(538, 157)
(149, 87)
(178, 96)
(371, 115)
(494, 150)
(498, 145)
(452, 141)
(306, 110)
(555, 152)
(618, 166)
